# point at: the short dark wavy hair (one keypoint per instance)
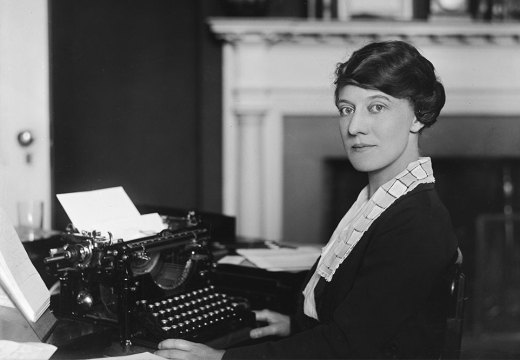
(399, 70)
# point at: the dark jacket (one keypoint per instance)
(387, 299)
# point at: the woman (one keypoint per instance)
(377, 291)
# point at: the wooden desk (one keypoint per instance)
(81, 340)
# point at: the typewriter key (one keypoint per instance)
(166, 329)
(174, 331)
(155, 318)
(194, 324)
(187, 326)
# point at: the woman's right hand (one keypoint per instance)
(277, 324)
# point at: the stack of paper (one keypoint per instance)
(109, 210)
(18, 277)
(12, 350)
(282, 259)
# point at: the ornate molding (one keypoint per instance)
(274, 31)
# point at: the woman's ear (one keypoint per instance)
(416, 126)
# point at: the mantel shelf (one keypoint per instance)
(273, 31)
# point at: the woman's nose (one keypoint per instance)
(357, 124)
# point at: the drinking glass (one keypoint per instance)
(30, 219)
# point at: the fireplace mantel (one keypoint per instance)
(274, 69)
(285, 30)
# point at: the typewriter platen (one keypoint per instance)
(150, 289)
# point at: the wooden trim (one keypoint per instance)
(297, 30)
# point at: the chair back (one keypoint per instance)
(455, 314)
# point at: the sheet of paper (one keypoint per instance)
(109, 210)
(18, 276)
(13, 350)
(140, 356)
(134, 227)
(283, 259)
(4, 299)
(88, 209)
(232, 259)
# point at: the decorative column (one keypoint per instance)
(245, 107)
(250, 204)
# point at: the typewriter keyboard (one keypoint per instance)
(198, 315)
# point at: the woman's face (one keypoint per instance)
(378, 131)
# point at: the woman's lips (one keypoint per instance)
(361, 147)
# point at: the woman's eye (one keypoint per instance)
(344, 111)
(376, 108)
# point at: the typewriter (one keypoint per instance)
(150, 289)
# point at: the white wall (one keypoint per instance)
(24, 103)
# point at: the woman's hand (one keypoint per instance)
(183, 349)
(278, 324)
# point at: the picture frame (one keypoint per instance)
(375, 9)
